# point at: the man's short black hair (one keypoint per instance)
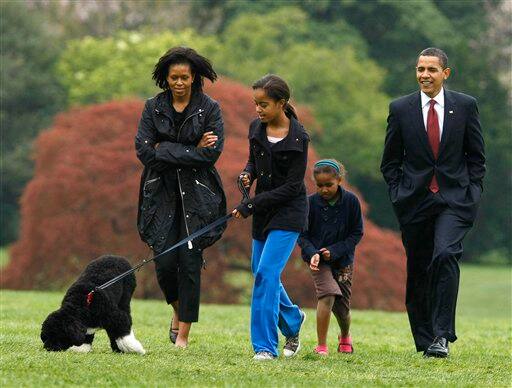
(435, 52)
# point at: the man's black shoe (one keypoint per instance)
(439, 348)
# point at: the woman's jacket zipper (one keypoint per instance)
(190, 246)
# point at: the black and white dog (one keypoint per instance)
(73, 325)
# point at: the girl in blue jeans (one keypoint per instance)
(278, 151)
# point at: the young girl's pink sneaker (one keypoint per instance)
(322, 350)
(345, 345)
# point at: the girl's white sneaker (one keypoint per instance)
(263, 356)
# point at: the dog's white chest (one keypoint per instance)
(91, 330)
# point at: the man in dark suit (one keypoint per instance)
(434, 164)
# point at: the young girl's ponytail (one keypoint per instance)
(276, 88)
(290, 111)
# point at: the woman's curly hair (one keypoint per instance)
(200, 67)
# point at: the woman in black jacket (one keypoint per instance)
(277, 160)
(179, 139)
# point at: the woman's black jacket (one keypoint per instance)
(280, 200)
(176, 172)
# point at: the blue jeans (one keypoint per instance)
(271, 307)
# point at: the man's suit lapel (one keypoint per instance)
(417, 119)
(449, 109)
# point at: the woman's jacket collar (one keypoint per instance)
(163, 103)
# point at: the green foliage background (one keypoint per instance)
(346, 60)
(30, 95)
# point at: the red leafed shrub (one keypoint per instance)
(82, 202)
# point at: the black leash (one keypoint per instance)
(194, 235)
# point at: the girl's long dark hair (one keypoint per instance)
(200, 67)
(277, 89)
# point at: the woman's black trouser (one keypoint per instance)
(179, 272)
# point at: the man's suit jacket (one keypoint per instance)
(408, 161)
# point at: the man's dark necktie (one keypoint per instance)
(433, 139)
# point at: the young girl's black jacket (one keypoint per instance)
(280, 200)
(339, 228)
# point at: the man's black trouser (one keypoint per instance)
(433, 244)
(179, 272)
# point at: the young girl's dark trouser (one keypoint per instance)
(179, 272)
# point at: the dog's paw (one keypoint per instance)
(84, 348)
(130, 344)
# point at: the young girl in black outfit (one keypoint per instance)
(277, 160)
(335, 227)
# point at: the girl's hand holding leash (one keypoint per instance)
(244, 183)
(245, 177)
(326, 254)
(243, 210)
(313, 263)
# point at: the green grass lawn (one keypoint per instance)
(220, 351)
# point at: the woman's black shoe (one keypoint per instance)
(173, 334)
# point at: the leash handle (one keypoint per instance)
(241, 187)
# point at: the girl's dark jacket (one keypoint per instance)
(176, 172)
(339, 228)
(280, 200)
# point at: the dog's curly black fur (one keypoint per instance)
(110, 308)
